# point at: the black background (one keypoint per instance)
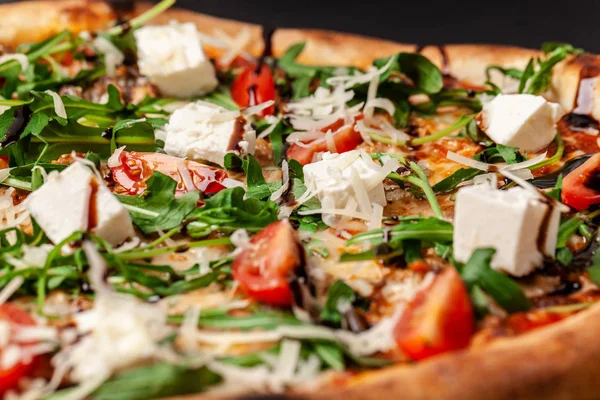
(525, 23)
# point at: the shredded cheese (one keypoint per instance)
(21, 58)
(59, 106)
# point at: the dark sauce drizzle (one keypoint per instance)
(578, 118)
(13, 133)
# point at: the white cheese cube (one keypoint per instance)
(338, 178)
(203, 131)
(171, 56)
(76, 200)
(517, 223)
(524, 121)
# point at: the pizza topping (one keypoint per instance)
(347, 182)
(131, 170)
(518, 224)
(265, 267)
(75, 200)
(13, 363)
(255, 85)
(205, 132)
(523, 121)
(338, 257)
(113, 57)
(439, 319)
(171, 56)
(580, 186)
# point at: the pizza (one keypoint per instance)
(197, 207)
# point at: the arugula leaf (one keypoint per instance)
(157, 208)
(594, 268)
(339, 291)
(228, 211)
(156, 381)
(537, 75)
(459, 176)
(506, 292)
(430, 229)
(54, 135)
(424, 74)
(568, 228)
(510, 154)
(510, 72)
(288, 63)
(564, 256)
(555, 191)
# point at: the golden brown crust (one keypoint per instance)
(557, 362)
(212, 25)
(52, 16)
(466, 62)
(32, 21)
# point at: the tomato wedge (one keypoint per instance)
(346, 138)
(9, 377)
(439, 319)
(576, 186)
(132, 169)
(264, 268)
(253, 86)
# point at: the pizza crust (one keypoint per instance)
(33, 21)
(556, 362)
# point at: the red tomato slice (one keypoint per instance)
(135, 168)
(346, 138)
(9, 378)
(439, 318)
(264, 268)
(575, 192)
(253, 86)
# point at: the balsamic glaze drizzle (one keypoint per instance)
(13, 133)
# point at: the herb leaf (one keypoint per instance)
(424, 74)
(228, 210)
(339, 291)
(506, 292)
(157, 208)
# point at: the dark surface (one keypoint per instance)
(525, 23)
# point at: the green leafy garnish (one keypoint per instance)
(506, 292)
(157, 208)
(338, 292)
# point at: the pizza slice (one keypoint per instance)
(191, 206)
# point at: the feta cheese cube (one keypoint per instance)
(524, 121)
(339, 180)
(171, 56)
(517, 223)
(76, 200)
(203, 131)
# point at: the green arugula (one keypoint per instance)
(338, 291)
(506, 292)
(152, 381)
(45, 135)
(537, 75)
(227, 211)
(459, 176)
(157, 208)
(425, 76)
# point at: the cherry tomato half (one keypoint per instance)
(9, 377)
(575, 190)
(135, 168)
(346, 138)
(439, 318)
(253, 86)
(264, 268)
